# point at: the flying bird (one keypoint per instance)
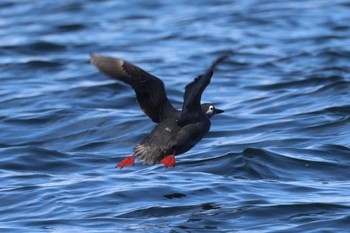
(177, 131)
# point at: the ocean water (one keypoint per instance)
(277, 160)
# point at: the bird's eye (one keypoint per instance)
(211, 108)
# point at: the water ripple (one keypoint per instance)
(278, 157)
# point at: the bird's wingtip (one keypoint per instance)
(221, 59)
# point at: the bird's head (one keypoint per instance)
(210, 110)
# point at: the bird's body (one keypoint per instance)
(177, 131)
(170, 138)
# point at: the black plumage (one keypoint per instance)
(177, 131)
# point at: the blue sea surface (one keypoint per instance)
(277, 160)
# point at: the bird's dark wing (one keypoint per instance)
(193, 92)
(150, 91)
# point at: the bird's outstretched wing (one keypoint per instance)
(150, 91)
(191, 108)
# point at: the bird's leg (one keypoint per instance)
(128, 161)
(169, 161)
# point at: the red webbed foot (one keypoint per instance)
(168, 161)
(128, 161)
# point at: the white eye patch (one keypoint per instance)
(210, 110)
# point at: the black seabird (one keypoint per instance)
(177, 131)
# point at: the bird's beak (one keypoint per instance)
(217, 111)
